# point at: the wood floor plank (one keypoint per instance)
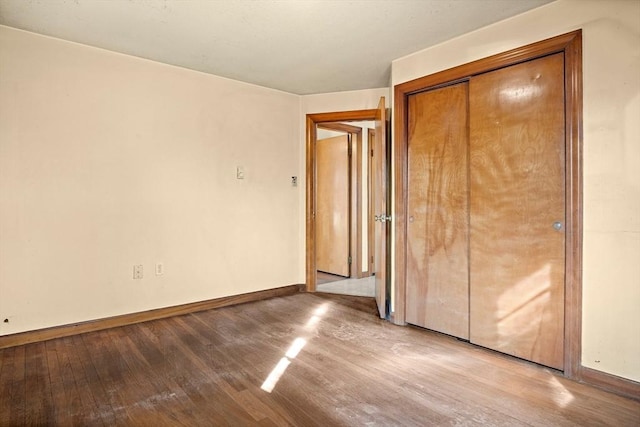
(7, 362)
(243, 384)
(183, 376)
(193, 360)
(63, 392)
(111, 373)
(339, 365)
(57, 394)
(88, 380)
(150, 394)
(17, 390)
(165, 375)
(37, 385)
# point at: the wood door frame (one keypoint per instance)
(312, 121)
(370, 207)
(571, 46)
(355, 195)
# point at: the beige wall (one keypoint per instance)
(107, 161)
(611, 54)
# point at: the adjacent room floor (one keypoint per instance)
(365, 287)
(304, 360)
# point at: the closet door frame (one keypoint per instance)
(570, 45)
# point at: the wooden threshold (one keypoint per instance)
(39, 335)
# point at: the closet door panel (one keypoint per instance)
(437, 228)
(517, 210)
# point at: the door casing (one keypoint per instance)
(356, 235)
(312, 121)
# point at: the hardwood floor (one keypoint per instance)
(327, 359)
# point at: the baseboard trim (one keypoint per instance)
(29, 337)
(609, 382)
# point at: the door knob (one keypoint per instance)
(557, 225)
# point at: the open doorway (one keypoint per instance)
(376, 195)
(343, 212)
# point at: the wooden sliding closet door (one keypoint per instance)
(437, 230)
(517, 210)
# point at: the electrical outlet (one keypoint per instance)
(294, 181)
(240, 172)
(159, 269)
(137, 272)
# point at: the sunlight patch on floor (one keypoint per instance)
(560, 395)
(275, 375)
(317, 315)
(294, 349)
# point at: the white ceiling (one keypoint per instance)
(298, 46)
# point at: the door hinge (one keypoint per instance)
(372, 152)
(349, 260)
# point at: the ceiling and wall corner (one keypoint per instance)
(269, 43)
